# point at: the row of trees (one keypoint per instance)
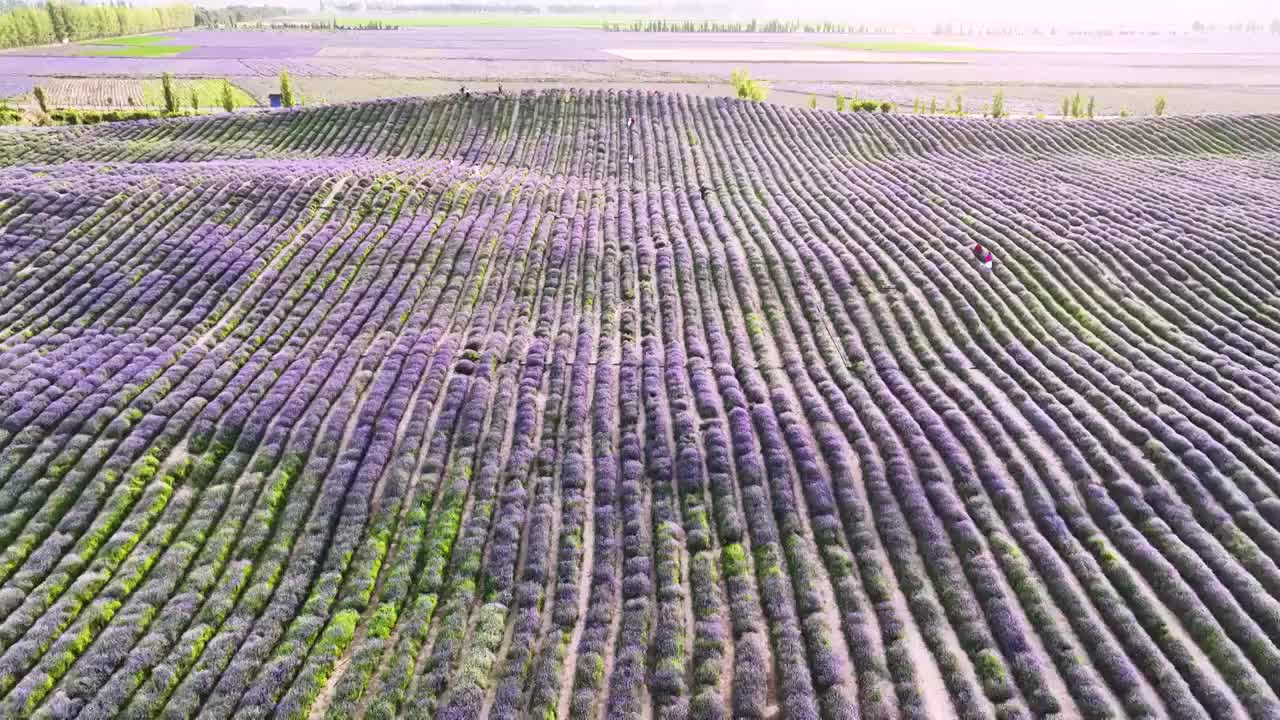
(752, 26)
(56, 22)
(920, 107)
(1253, 26)
(233, 15)
(1013, 29)
(270, 17)
(327, 25)
(373, 24)
(226, 97)
(512, 8)
(1073, 106)
(853, 104)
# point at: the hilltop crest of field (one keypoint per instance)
(587, 404)
(572, 123)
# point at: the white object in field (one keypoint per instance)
(987, 265)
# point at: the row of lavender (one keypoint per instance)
(410, 128)
(710, 413)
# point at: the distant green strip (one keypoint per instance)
(133, 50)
(133, 40)
(907, 47)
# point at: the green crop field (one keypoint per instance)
(136, 51)
(135, 40)
(208, 92)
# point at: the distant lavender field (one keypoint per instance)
(14, 85)
(1203, 73)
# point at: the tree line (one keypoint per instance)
(56, 22)
(1252, 26)
(470, 6)
(233, 15)
(749, 26)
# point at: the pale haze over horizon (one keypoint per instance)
(998, 12)
(923, 14)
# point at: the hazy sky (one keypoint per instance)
(1070, 12)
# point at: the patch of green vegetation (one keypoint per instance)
(133, 40)
(746, 88)
(768, 561)
(143, 51)
(734, 559)
(991, 672)
(384, 618)
(208, 90)
(906, 46)
(93, 117)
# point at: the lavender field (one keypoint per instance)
(1204, 73)
(627, 405)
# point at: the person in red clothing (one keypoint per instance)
(983, 255)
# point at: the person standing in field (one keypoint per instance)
(984, 256)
